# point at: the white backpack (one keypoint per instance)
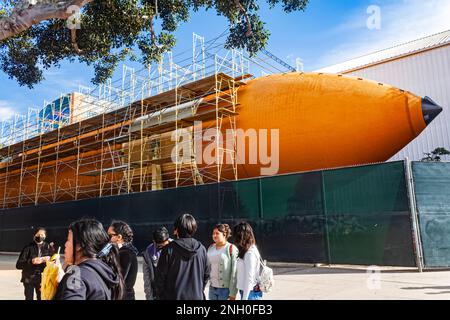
(266, 279)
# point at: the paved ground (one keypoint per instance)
(305, 282)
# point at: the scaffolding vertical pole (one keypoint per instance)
(112, 155)
(57, 164)
(129, 174)
(142, 142)
(171, 67)
(232, 118)
(160, 74)
(217, 92)
(8, 159)
(177, 164)
(38, 172)
(198, 41)
(78, 159)
(102, 153)
(22, 156)
(194, 56)
(130, 150)
(2, 134)
(22, 172)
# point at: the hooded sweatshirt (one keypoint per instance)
(129, 268)
(90, 280)
(151, 256)
(183, 271)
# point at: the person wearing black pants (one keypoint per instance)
(32, 263)
(30, 288)
(121, 234)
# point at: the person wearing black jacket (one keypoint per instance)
(121, 234)
(183, 268)
(151, 256)
(32, 263)
(91, 264)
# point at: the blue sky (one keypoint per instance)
(328, 32)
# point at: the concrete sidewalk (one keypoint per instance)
(304, 282)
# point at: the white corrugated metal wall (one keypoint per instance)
(425, 74)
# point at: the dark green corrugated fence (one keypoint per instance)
(368, 216)
(357, 215)
(432, 195)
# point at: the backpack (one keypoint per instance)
(266, 279)
(230, 251)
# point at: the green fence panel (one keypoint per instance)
(292, 211)
(367, 215)
(239, 199)
(432, 191)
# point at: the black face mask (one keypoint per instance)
(39, 239)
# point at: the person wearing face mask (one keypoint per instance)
(151, 256)
(31, 261)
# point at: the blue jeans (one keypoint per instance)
(253, 295)
(218, 293)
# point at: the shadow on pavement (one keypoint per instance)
(430, 287)
(334, 270)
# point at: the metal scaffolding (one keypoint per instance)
(122, 139)
(146, 131)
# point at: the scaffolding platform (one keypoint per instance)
(126, 129)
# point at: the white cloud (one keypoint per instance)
(56, 82)
(6, 110)
(401, 21)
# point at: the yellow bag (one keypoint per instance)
(49, 282)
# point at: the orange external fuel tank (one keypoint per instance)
(327, 120)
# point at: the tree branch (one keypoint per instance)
(73, 35)
(25, 15)
(249, 26)
(152, 32)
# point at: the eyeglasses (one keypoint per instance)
(112, 235)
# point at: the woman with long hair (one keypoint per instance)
(92, 264)
(223, 257)
(121, 234)
(248, 262)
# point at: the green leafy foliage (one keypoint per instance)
(112, 30)
(435, 155)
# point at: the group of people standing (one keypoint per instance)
(103, 265)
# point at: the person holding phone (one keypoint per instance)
(32, 260)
